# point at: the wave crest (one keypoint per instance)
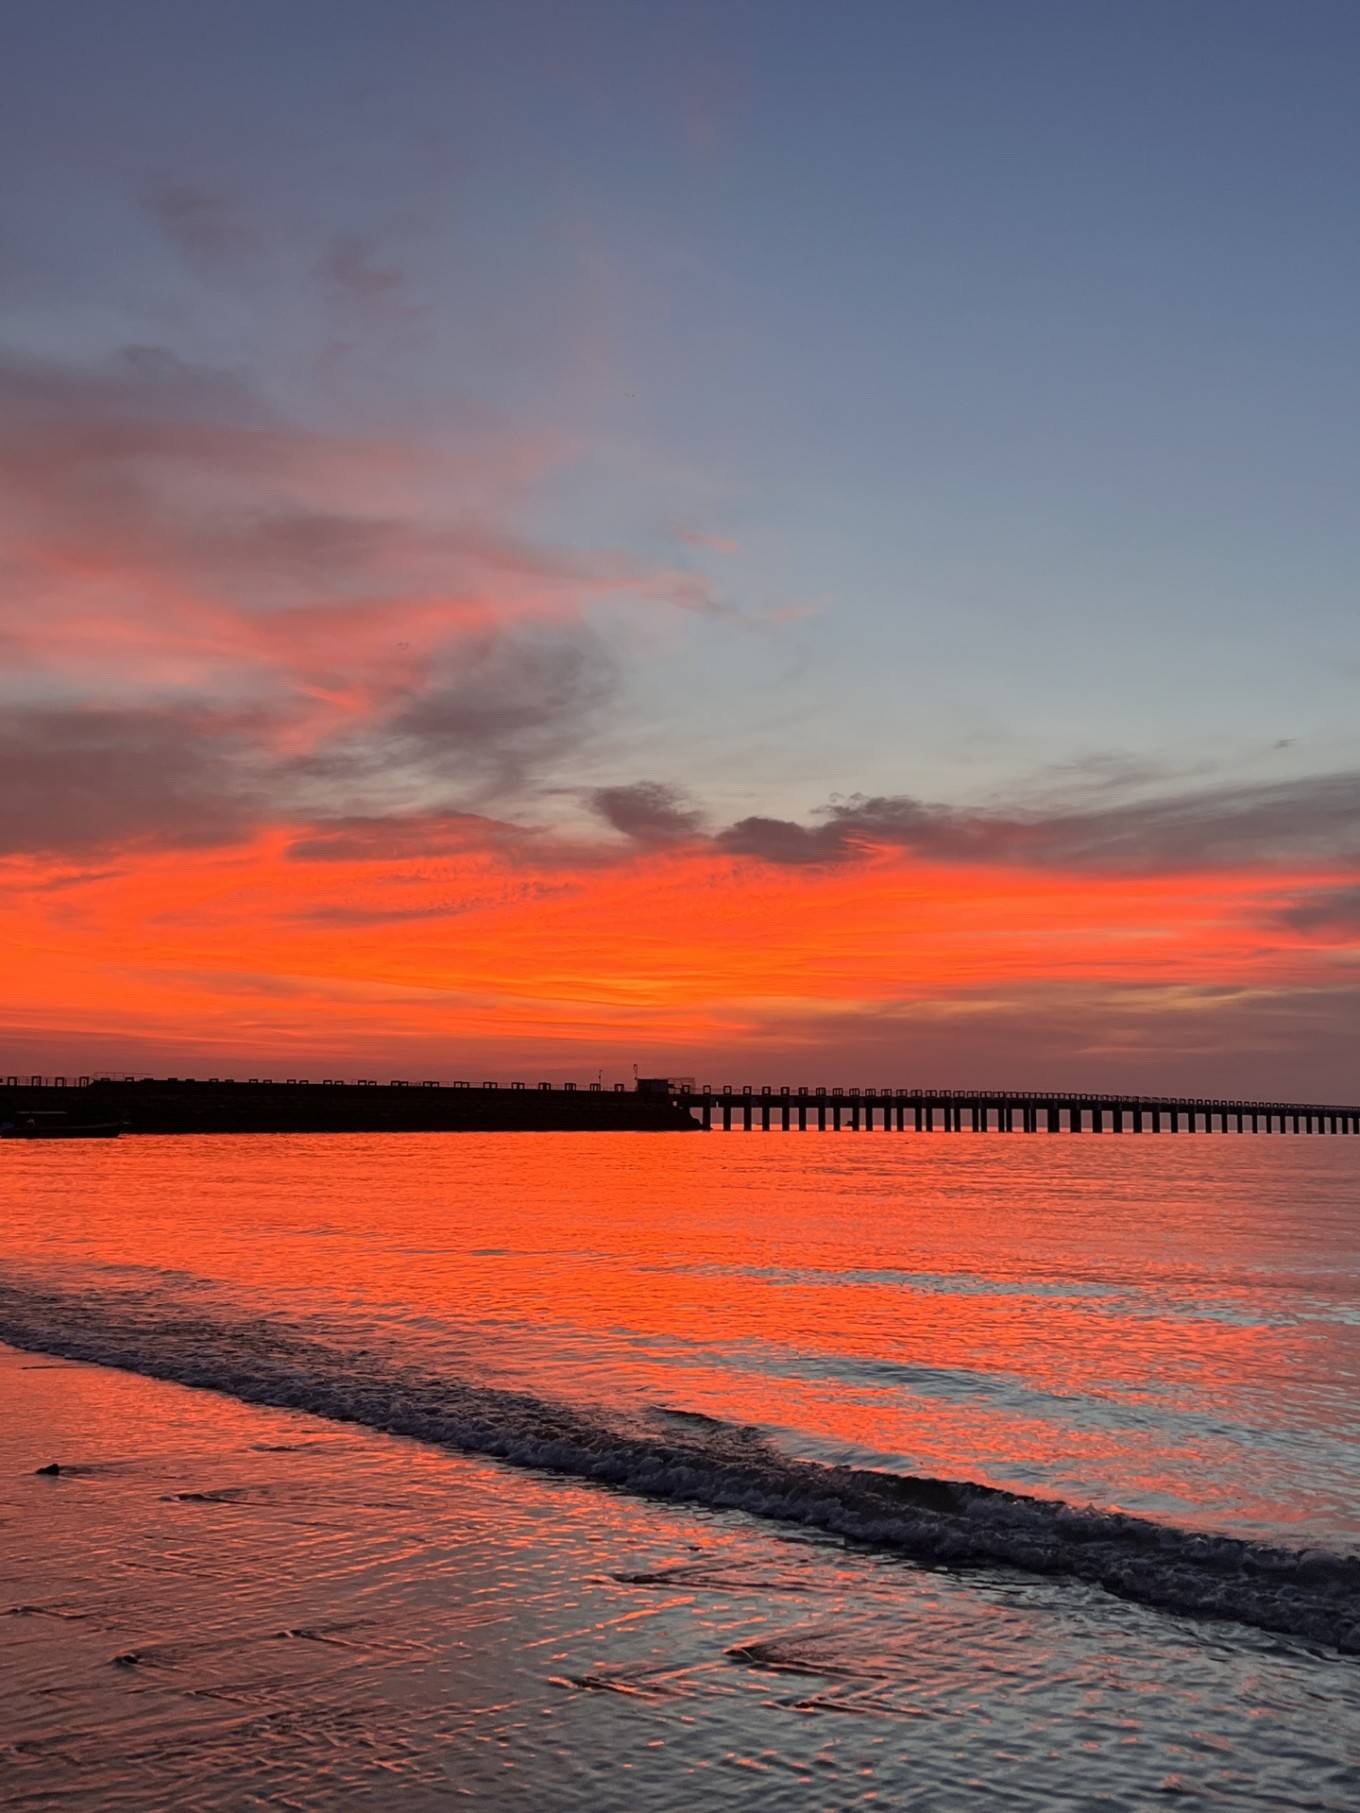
(690, 1459)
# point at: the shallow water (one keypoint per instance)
(671, 1340)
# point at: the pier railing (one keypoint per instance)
(1005, 1111)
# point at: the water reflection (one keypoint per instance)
(1163, 1326)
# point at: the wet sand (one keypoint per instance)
(218, 1606)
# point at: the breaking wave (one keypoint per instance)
(688, 1458)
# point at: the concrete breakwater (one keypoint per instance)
(219, 1105)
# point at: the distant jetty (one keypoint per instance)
(175, 1104)
(261, 1105)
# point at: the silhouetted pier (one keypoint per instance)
(146, 1104)
(997, 1111)
(653, 1105)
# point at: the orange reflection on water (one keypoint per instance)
(1151, 1324)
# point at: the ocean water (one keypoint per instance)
(666, 1472)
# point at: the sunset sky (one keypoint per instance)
(772, 541)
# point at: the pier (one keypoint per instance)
(651, 1105)
(146, 1104)
(821, 1110)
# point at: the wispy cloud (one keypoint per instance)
(238, 616)
(210, 233)
(1313, 819)
(703, 538)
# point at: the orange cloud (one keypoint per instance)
(276, 696)
(452, 956)
(166, 532)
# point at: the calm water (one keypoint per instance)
(642, 1551)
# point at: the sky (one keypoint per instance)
(767, 541)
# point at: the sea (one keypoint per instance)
(649, 1471)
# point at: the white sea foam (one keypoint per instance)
(1310, 1594)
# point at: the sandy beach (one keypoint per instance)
(216, 1607)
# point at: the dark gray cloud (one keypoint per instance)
(847, 828)
(1316, 817)
(1331, 915)
(125, 404)
(495, 714)
(75, 779)
(650, 812)
(342, 914)
(77, 878)
(400, 837)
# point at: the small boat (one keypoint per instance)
(50, 1124)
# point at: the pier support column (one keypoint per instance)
(835, 1117)
(727, 1113)
(748, 1113)
(1054, 1118)
(821, 1114)
(802, 1114)
(1097, 1120)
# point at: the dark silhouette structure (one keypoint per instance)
(998, 1110)
(653, 1105)
(263, 1105)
